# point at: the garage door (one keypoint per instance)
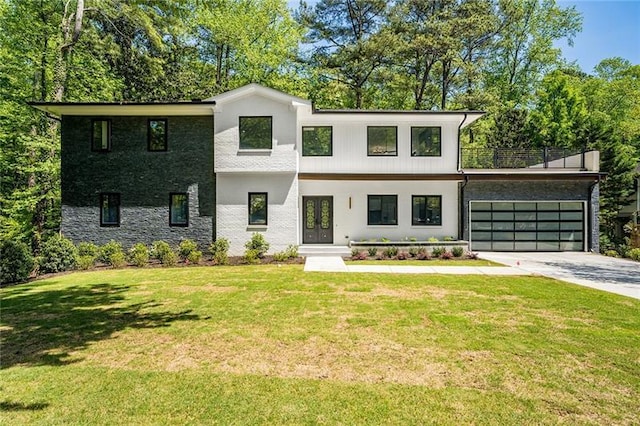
(527, 226)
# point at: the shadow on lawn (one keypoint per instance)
(43, 327)
(19, 406)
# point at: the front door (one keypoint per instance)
(317, 220)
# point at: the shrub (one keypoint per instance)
(88, 249)
(384, 240)
(446, 255)
(219, 250)
(139, 255)
(471, 255)
(280, 256)
(413, 239)
(354, 252)
(359, 256)
(634, 254)
(16, 262)
(118, 259)
(111, 253)
(162, 251)
(372, 251)
(433, 240)
(258, 244)
(290, 252)
(58, 254)
(194, 257)
(390, 252)
(449, 239)
(437, 251)
(423, 256)
(85, 262)
(403, 255)
(457, 251)
(611, 253)
(186, 247)
(251, 256)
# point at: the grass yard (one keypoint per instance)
(274, 345)
(431, 262)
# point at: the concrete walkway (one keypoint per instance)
(619, 276)
(336, 264)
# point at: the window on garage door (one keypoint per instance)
(527, 226)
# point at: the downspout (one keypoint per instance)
(461, 215)
(590, 214)
(459, 148)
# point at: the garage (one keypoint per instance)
(527, 225)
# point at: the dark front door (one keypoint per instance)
(317, 220)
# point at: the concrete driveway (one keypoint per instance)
(618, 276)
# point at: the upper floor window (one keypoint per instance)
(257, 208)
(101, 135)
(109, 209)
(255, 133)
(425, 142)
(157, 135)
(317, 141)
(426, 210)
(382, 140)
(383, 210)
(179, 209)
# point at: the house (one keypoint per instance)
(258, 160)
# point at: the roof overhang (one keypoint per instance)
(59, 109)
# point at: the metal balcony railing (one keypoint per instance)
(509, 158)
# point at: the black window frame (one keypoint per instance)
(382, 197)
(171, 206)
(426, 197)
(93, 123)
(244, 117)
(369, 153)
(104, 224)
(414, 152)
(266, 209)
(330, 154)
(166, 133)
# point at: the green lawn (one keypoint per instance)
(431, 262)
(274, 345)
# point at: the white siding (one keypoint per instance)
(350, 223)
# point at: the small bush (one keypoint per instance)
(291, 252)
(359, 256)
(449, 239)
(220, 251)
(385, 240)
(433, 240)
(354, 252)
(457, 251)
(16, 262)
(186, 247)
(611, 253)
(634, 254)
(162, 251)
(58, 255)
(413, 239)
(118, 260)
(139, 255)
(390, 252)
(437, 251)
(471, 255)
(280, 256)
(446, 255)
(88, 249)
(372, 251)
(258, 244)
(85, 262)
(111, 253)
(423, 256)
(194, 257)
(403, 255)
(251, 256)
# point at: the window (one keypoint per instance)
(383, 210)
(426, 210)
(257, 208)
(179, 209)
(382, 140)
(255, 133)
(317, 141)
(109, 209)
(101, 135)
(425, 142)
(157, 135)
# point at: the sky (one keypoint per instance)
(609, 28)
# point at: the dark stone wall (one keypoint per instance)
(144, 179)
(538, 190)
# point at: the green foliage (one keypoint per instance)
(85, 262)
(162, 251)
(257, 243)
(58, 254)
(390, 252)
(354, 251)
(448, 238)
(438, 251)
(219, 250)
(139, 255)
(291, 252)
(634, 254)
(373, 251)
(16, 262)
(432, 240)
(186, 247)
(457, 251)
(194, 257)
(112, 254)
(88, 249)
(251, 256)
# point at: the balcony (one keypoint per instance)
(541, 158)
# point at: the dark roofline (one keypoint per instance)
(392, 111)
(124, 103)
